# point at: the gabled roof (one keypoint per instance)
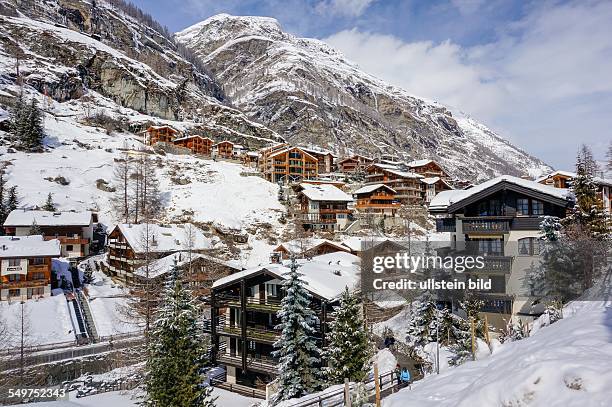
(285, 150)
(434, 180)
(28, 246)
(299, 246)
(404, 174)
(355, 157)
(449, 201)
(162, 127)
(325, 276)
(169, 238)
(22, 217)
(371, 188)
(316, 151)
(192, 136)
(324, 192)
(224, 142)
(164, 265)
(420, 163)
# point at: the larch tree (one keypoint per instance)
(121, 174)
(297, 348)
(349, 350)
(178, 351)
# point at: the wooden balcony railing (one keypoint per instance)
(485, 224)
(24, 283)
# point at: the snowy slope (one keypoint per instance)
(565, 364)
(310, 93)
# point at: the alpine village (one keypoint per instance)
(171, 232)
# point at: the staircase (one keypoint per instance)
(87, 316)
(80, 331)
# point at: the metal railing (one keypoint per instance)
(485, 225)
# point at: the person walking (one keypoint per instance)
(405, 377)
(398, 374)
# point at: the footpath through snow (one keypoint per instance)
(565, 364)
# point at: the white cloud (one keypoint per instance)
(468, 6)
(545, 81)
(347, 8)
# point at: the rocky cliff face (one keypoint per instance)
(310, 94)
(68, 48)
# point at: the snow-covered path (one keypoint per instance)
(566, 364)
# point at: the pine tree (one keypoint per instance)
(462, 348)
(32, 136)
(177, 352)
(297, 348)
(35, 229)
(12, 200)
(349, 349)
(609, 157)
(3, 212)
(423, 321)
(49, 204)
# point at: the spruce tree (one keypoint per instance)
(297, 348)
(423, 321)
(35, 229)
(12, 200)
(32, 136)
(177, 351)
(3, 212)
(349, 351)
(49, 204)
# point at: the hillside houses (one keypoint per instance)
(129, 246)
(323, 207)
(160, 134)
(353, 164)
(74, 230)
(377, 199)
(308, 247)
(25, 270)
(197, 144)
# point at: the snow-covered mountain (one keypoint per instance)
(68, 49)
(310, 93)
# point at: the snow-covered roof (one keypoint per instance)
(28, 246)
(370, 188)
(324, 192)
(298, 246)
(164, 265)
(167, 238)
(568, 174)
(21, 217)
(419, 163)
(404, 174)
(385, 166)
(431, 180)
(313, 150)
(285, 150)
(355, 157)
(447, 198)
(192, 136)
(325, 276)
(163, 127)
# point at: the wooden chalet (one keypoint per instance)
(324, 207)
(406, 184)
(376, 198)
(75, 230)
(129, 247)
(224, 149)
(432, 186)
(244, 310)
(428, 169)
(25, 270)
(324, 158)
(285, 164)
(160, 134)
(564, 179)
(500, 220)
(197, 144)
(354, 163)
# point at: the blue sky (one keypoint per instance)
(538, 72)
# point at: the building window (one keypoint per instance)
(490, 247)
(529, 246)
(14, 292)
(37, 276)
(69, 248)
(522, 206)
(272, 290)
(537, 207)
(37, 261)
(14, 262)
(14, 277)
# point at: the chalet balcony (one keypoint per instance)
(445, 225)
(69, 239)
(497, 264)
(38, 268)
(260, 363)
(252, 303)
(486, 224)
(260, 334)
(114, 243)
(24, 284)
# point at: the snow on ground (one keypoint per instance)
(106, 303)
(47, 321)
(128, 399)
(385, 360)
(565, 364)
